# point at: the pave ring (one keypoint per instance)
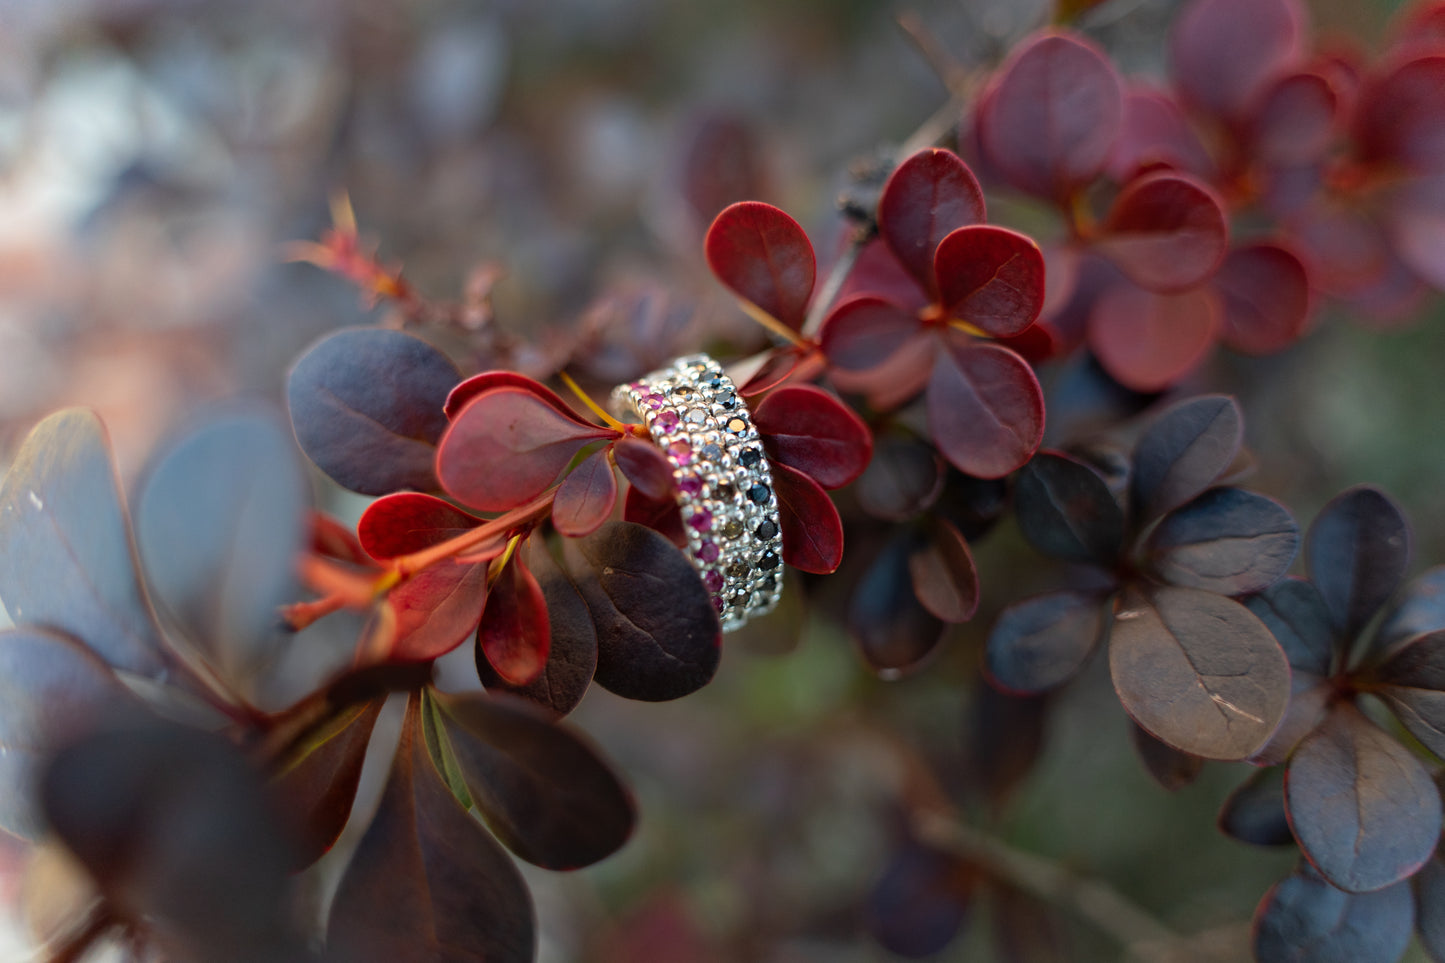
(724, 484)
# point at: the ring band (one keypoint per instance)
(724, 484)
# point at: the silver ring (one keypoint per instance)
(724, 483)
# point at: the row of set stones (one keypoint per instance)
(729, 509)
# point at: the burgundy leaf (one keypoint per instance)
(1170, 768)
(898, 378)
(329, 538)
(904, 477)
(1041, 642)
(1167, 232)
(367, 408)
(929, 195)
(798, 363)
(662, 515)
(515, 631)
(1267, 298)
(944, 577)
(543, 790)
(427, 879)
(1363, 808)
(765, 258)
(1148, 341)
(1050, 119)
(985, 409)
(1254, 812)
(1400, 116)
(892, 629)
(724, 162)
(1304, 918)
(812, 530)
(991, 278)
(1183, 451)
(658, 636)
(1294, 121)
(407, 522)
(808, 429)
(435, 610)
(1155, 133)
(507, 446)
(1357, 551)
(586, 496)
(862, 331)
(1227, 540)
(1223, 52)
(1417, 228)
(572, 654)
(478, 384)
(1065, 510)
(1198, 671)
(645, 466)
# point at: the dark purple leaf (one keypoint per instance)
(1430, 907)
(1066, 510)
(515, 633)
(658, 636)
(1254, 812)
(1266, 296)
(1357, 551)
(904, 478)
(1363, 808)
(572, 655)
(1227, 540)
(1420, 608)
(52, 690)
(219, 524)
(507, 446)
(1198, 671)
(407, 522)
(1049, 121)
(1149, 341)
(428, 881)
(765, 258)
(892, 629)
(586, 497)
(1412, 680)
(808, 429)
(645, 467)
(1166, 232)
(1041, 642)
(1310, 699)
(863, 331)
(985, 409)
(66, 560)
(659, 514)
(367, 405)
(152, 810)
(896, 378)
(920, 902)
(929, 195)
(1223, 52)
(724, 161)
(1304, 919)
(812, 530)
(1002, 742)
(1168, 766)
(542, 789)
(1182, 452)
(991, 278)
(944, 577)
(315, 785)
(1295, 614)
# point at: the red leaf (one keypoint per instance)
(659, 514)
(985, 409)
(515, 631)
(1223, 52)
(864, 330)
(898, 378)
(1266, 296)
(765, 258)
(810, 430)
(799, 363)
(991, 277)
(1294, 123)
(1166, 232)
(927, 196)
(812, 530)
(407, 522)
(1149, 341)
(436, 610)
(1050, 119)
(645, 467)
(1400, 117)
(944, 577)
(1155, 134)
(507, 446)
(477, 384)
(329, 538)
(585, 498)
(878, 272)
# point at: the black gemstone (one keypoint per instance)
(724, 489)
(759, 493)
(739, 569)
(727, 399)
(750, 457)
(768, 561)
(768, 583)
(768, 529)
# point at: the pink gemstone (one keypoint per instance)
(717, 603)
(681, 451)
(667, 420)
(707, 551)
(701, 520)
(690, 485)
(654, 401)
(713, 581)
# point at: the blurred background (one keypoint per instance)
(157, 155)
